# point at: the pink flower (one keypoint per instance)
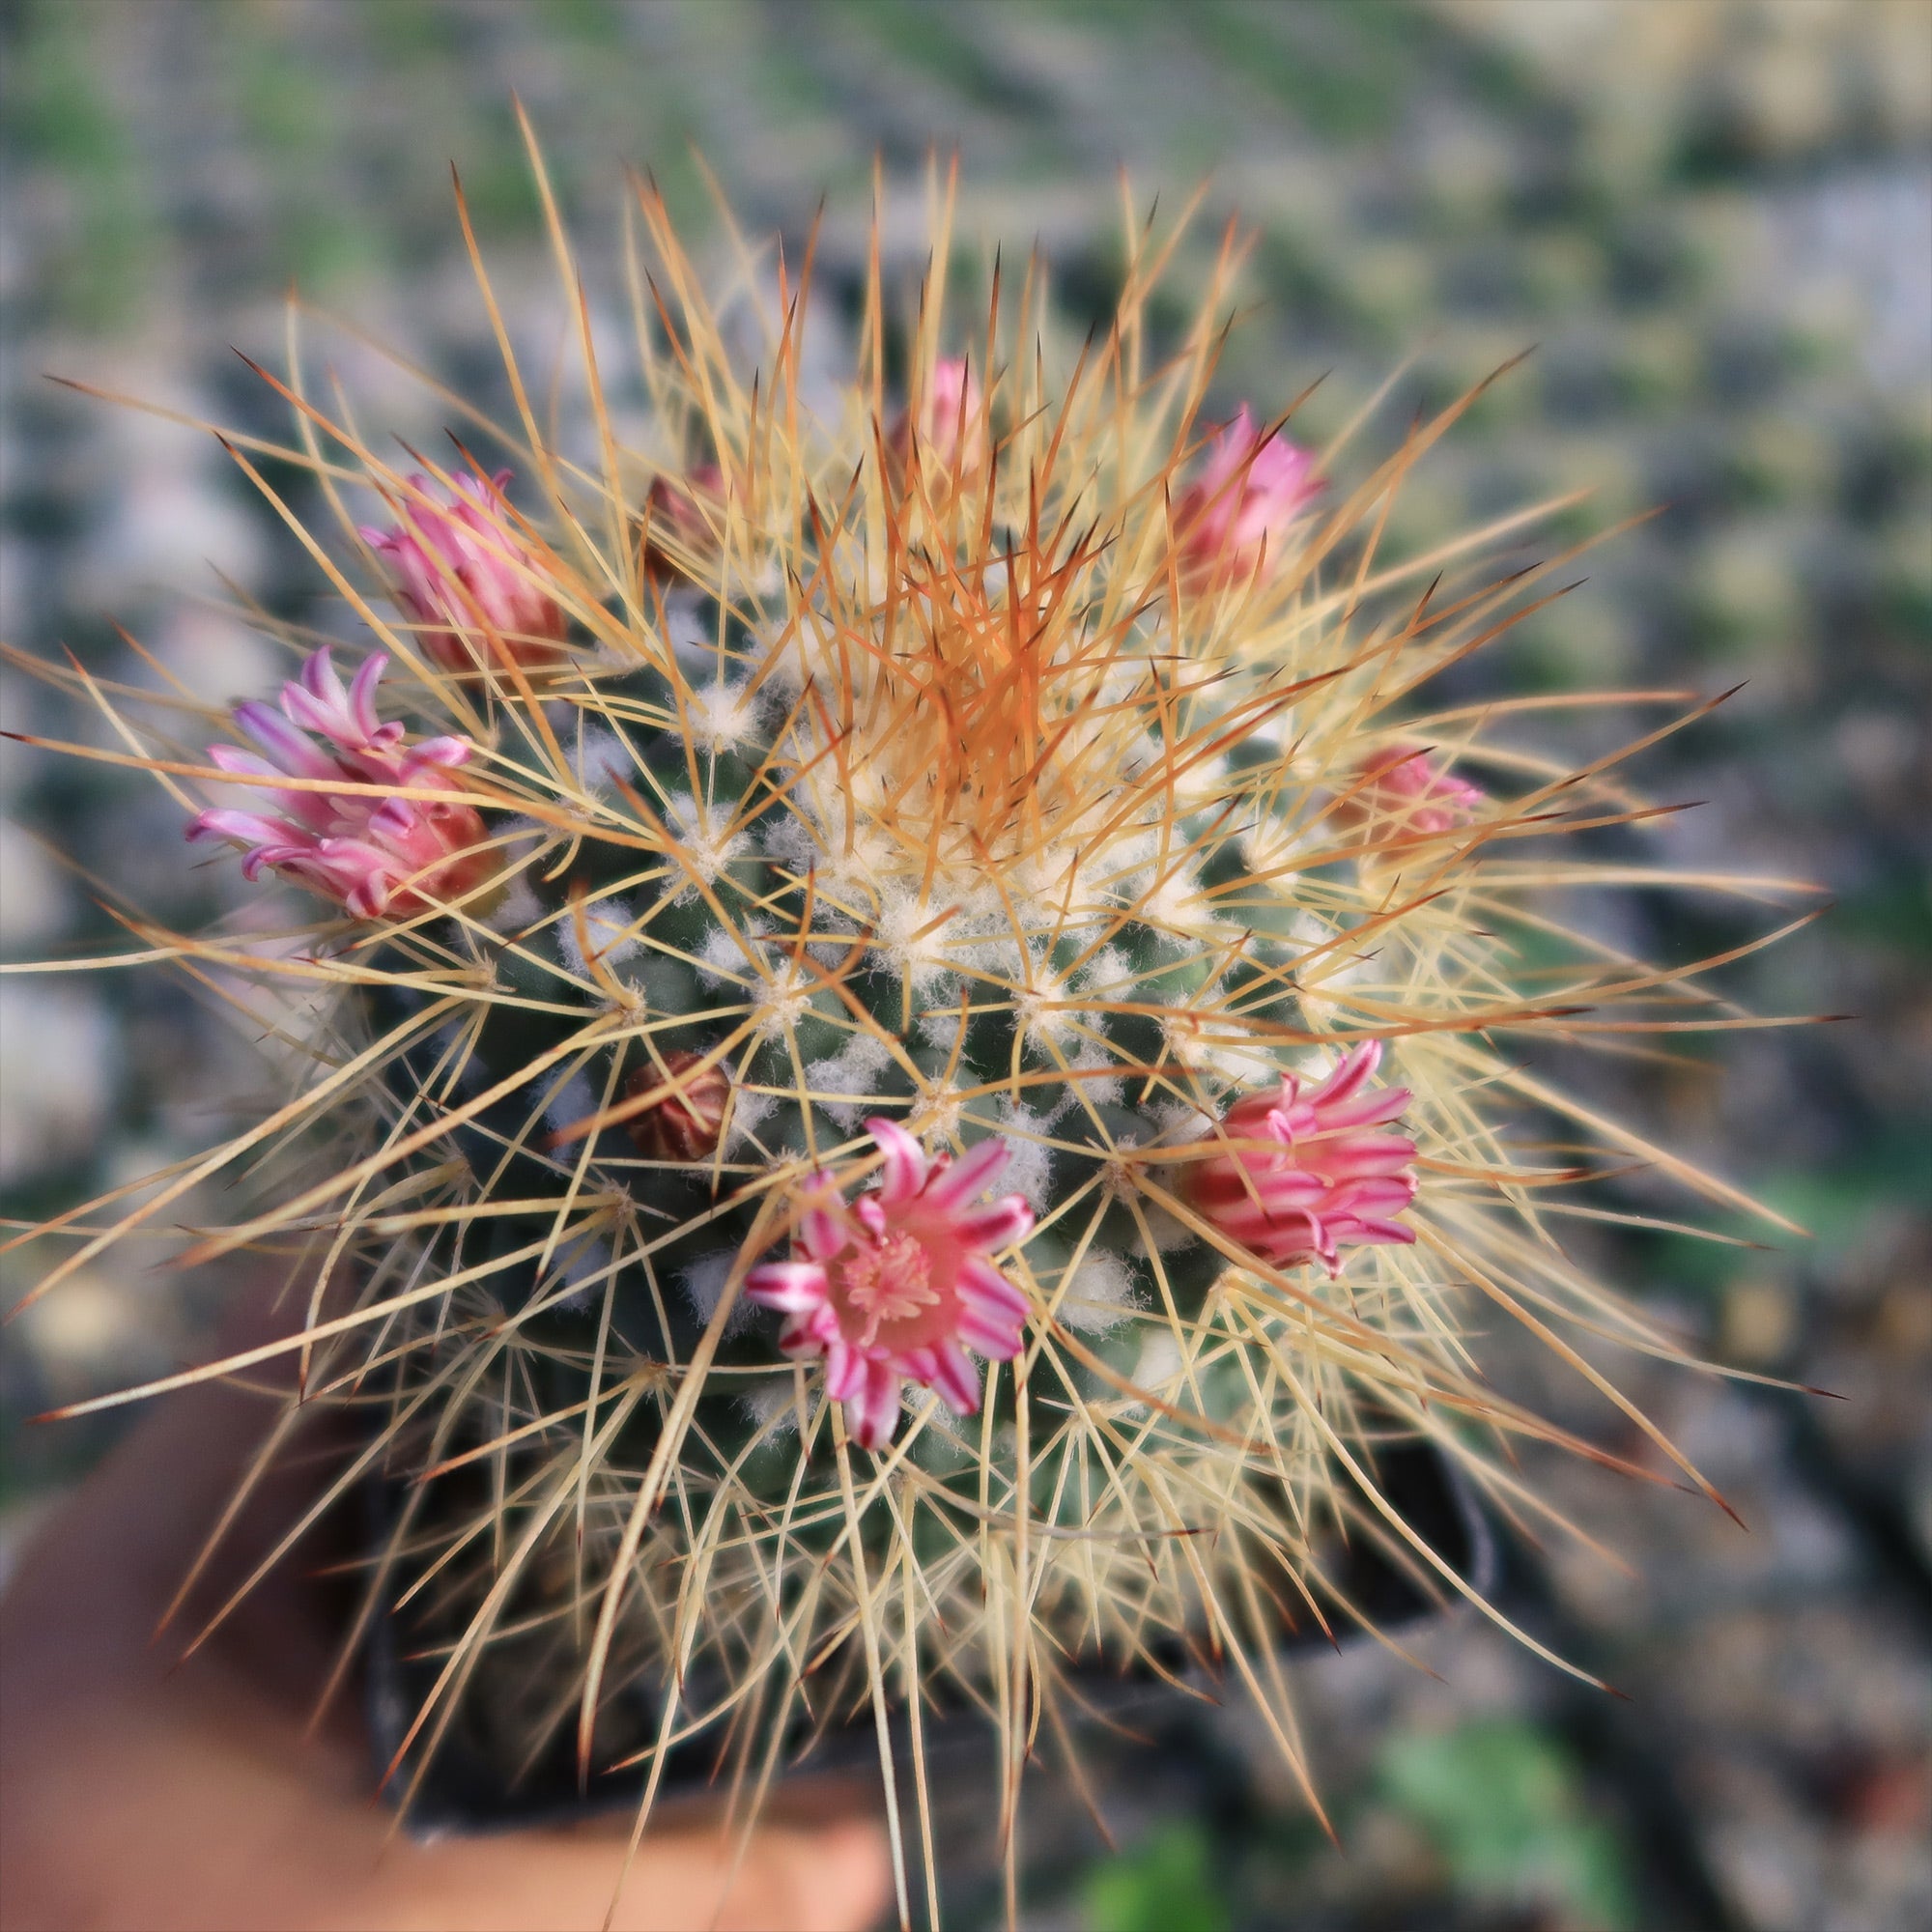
(1403, 783)
(465, 573)
(952, 419)
(1249, 491)
(898, 1283)
(1298, 1177)
(370, 854)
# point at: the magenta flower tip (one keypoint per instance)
(1297, 1177)
(1403, 783)
(475, 586)
(950, 416)
(899, 1283)
(370, 854)
(1251, 489)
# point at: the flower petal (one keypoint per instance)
(1365, 1109)
(793, 1288)
(1397, 1232)
(1001, 1222)
(444, 752)
(872, 1413)
(969, 1175)
(808, 1336)
(1352, 1071)
(845, 1370)
(981, 1282)
(248, 826)
(955, 1377)
(290, 748)
(994, 1337)
(821, 1228)
(904, 1169)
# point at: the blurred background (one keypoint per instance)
(1712, 219)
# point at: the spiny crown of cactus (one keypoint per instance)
(930, 1016)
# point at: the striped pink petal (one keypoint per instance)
(792, 1288)
(1005, 1220)
(956, 1378)
(899, 1283)
(966, 1176)
(904, 1171)
(1320, 1177)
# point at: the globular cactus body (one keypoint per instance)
(932, 1031)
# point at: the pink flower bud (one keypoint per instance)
(898, 1285)
(951, 420)
(1297, 1178)
(371, 854)
(1401, 783)
(1250, 491)
(472, 585)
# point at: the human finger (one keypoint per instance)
(833, 1877)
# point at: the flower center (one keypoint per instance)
(889, 1279)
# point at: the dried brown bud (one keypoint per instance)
(681, 516)
(686, 1124)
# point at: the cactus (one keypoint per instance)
(926, 1021)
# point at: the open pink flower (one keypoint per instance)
(898, 1283)
(1297, 1178)
(370, 854)
(469, 580)
(950, 419)
(1405, 784)
(1250, 491)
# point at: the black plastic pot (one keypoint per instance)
(471, 1784)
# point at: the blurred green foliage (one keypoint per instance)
(1167, 1885)
(58, 111)
(1504, 1807)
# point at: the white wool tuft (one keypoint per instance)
(1176, 907)
(517, 911)
(780, 1001)
(600, 759)
(789, 839)
(571, 1101)
(1036, 1003)
(585, 1270)
(1109, 971)
(607, 924)
(1180, 1121)
(749, 1112)
(772, 1404)
(852, 1074)
(1212, 1046)
(723, 960)
(703, 1284)
(904, 947)
(1104, 1091)
(1157, 1367)
(937, 1116)
(1029, 1170)
(725, 715)
(688, 634)
(704, 836)
(1100, 1296)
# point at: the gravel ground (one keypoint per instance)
(1712, 220)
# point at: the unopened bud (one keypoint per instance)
(686, 1121)
(679, 520)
